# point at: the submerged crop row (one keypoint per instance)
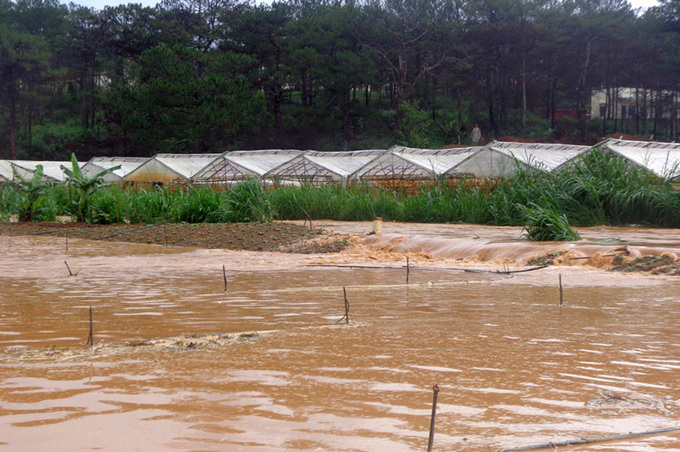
(602, 190)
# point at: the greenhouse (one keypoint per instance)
(52, 171)
(236, 166)
(661, 159)
(168, 169)
(6, 172)
(397, 168)
(500, 159)
(316, 167)
(408, 168)
(98, 164)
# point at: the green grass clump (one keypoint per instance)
(546, 224)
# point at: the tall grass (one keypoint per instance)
(150, 205)
(544, 223)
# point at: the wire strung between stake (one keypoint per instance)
(578, 442)
(133, 230)
(506, 269)
(49, 231)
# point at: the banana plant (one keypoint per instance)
(81, 187)
(34, 188)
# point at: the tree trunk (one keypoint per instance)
(13, 126)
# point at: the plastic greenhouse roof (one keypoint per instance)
(51, 170)
(168, 167)
(410, 163)
(127, 164)
(6, 172)
(540, 155)
(234, 165)
(662, 159)
(325, 166)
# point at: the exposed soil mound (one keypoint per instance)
(286, 237)
(655, 265)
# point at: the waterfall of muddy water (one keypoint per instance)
(513, 367)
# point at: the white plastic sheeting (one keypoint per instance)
(661, 159)
(51, 170)
(323, 167)
(233, 166)
(169, 168)
(503, 159)
(415, 164)
(6, 172)
(98, 164)
(289, 166)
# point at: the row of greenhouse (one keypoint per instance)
(293, 167)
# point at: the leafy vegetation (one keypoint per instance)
(82, 187)
(33, 188)
(546, 224)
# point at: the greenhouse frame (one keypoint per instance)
(661, 159)
(408, 168)
(52, 171)
(398, 168)
(236, 166)
(502, 159)
(98, 164)
(168, 169)
(316, 167)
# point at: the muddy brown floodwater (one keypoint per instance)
(514, 367)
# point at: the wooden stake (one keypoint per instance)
(69, 270)
(67, 244)
(435, 390)
(224, 273)
(346, 316)
(90, 338)
(561, 292)
(408, 269)
(344, 291)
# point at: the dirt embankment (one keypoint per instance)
(284, 237)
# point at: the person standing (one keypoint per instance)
(476, 135)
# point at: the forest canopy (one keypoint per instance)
(190, 76)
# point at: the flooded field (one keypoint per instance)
(514, 367)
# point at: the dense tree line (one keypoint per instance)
(212, 75)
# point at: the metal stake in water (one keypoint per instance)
(435, 390)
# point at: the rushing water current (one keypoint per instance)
(513, 367)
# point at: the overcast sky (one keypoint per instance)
(100, 4)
